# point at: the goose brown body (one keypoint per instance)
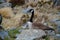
(41, 26)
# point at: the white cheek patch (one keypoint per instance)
(32, 10)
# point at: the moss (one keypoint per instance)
(6, 38)
(12, 33)
(47, 38)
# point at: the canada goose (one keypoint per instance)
(34, 25)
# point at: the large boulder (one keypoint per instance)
(30, 34)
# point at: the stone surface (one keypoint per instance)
(57, 36)
(5, 5)
(4, 34)
(56, 20)
(2, 1)
(30, 34)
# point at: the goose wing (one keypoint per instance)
(41, 26)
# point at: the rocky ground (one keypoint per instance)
(13, 19)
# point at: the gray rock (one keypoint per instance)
(58, 29)
(56, 2)
(57, 36)
(56, 20)
(2, 1)
(5, 5)
(3, 34)
(58, 13)
(58, 23)
(30, 34)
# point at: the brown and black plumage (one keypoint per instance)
(36, 25)
(41, 26)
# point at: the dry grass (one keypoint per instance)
(11, 20)
(6, 12)
(16, 20)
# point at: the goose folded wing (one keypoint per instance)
(41, 26)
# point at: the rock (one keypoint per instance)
(58, 29)
(5, 5)
(58, 13)
(57, 36)
(56, 21)
(2, 1)
(4, 34)
(30, 34)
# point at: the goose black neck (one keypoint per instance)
(31, 19)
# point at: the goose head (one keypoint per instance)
(29, 23)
